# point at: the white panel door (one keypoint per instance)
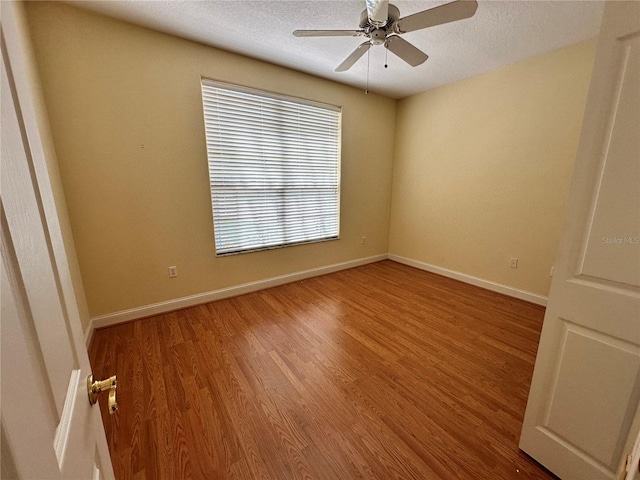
(585, 390)
(49, 429)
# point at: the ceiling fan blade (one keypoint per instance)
(378, 12)
(353, 58)
(405, 50)
(328, 33)
(449, 12)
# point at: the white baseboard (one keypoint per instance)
(479, 282)
(192, 300)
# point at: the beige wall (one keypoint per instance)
(482, 169)
(126, 115)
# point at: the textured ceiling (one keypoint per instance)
(500, 33)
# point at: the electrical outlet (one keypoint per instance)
(513, 263)
(173, 271)
(362, 239)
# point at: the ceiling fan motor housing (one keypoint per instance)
(378, 36)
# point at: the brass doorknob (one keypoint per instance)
(94, 388)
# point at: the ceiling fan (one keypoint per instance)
(381, 23)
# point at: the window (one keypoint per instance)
(274, 168)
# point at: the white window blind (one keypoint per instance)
(274, 168)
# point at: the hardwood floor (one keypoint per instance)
(378, 372)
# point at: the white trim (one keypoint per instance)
(190, 301)
(478, 282)
(88, 335)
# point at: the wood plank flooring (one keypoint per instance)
(378, 372)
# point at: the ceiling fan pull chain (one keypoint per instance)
(366, 92)
(386, 55)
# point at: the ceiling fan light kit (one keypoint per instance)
(381, 23)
